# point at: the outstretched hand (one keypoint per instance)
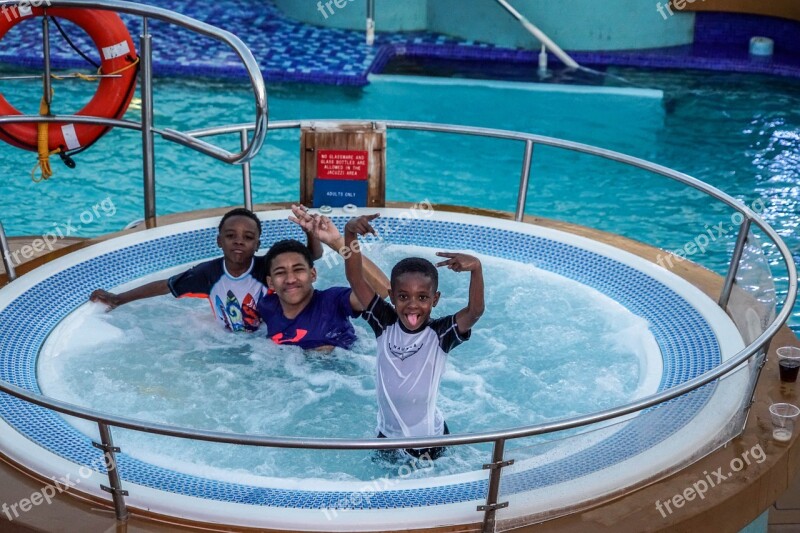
(361, 225)
(459, 262)
(105, 297)
(319, 226)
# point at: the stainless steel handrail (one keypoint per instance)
(419, 442)
(539, 35)
(584, 420)
(5, 252)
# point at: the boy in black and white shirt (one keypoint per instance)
(412, 348)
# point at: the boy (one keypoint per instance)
(412, 348)
(297, 314)
(294, 311)
(232, 283)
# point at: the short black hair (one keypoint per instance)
(287, 246)
(241, 212)
(416, 265)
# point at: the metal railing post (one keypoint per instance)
(148, 136)
(496, 466)
(733, 268)
(109, 451)
(5, 249)
(524, 178)
(247, 184)
(370, 22)
(47, 88)
(751, 400)
(539, 35)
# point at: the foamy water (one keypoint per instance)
(546, 348)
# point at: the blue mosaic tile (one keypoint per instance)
(288, 50)
(688, 345)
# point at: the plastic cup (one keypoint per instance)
(783, 417)
(789, 363)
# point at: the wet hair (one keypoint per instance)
(416, 265)
(288, 246)
(241, 212)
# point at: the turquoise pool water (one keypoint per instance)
(582, 352)
(738, 133)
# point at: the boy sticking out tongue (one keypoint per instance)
(412, 347)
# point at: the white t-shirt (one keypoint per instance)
(409, 369)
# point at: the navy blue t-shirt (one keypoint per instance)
(324, 322)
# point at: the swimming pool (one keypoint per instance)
(739, 133)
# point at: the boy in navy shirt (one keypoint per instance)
(298, 314)
(412, 347)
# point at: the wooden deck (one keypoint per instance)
(26, 249)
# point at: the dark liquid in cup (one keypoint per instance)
(789, 370)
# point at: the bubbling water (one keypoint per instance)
(546, 348)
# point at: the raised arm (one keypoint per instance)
(148, 290)
(468, 316)
(328, 234)
(353, 267)
(313, 243)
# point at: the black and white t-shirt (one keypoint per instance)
(409, 369)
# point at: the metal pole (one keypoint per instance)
(117, 494)
(148, 136)
(6, 251)
(733, 268)
(540, 35)
(246, 175)
(751, 401)
(522, 195)
(496, 466)
(46, 87)
(370, 22)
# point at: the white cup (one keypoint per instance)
(783, 417)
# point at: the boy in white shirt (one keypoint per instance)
(412, 347)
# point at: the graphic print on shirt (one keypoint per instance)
(222, 314)
(249, 314)
(234, 312)
(300, 333)
(405, 352)
(233, 300)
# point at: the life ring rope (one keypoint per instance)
(43, 135)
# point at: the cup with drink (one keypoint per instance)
(789, 363)
(783, 417)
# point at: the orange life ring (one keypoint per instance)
(118, 55)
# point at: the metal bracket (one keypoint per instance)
(501, 464)
(493, 507)
(114, 491)
(105, 448)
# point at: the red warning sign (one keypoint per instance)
(342, 164)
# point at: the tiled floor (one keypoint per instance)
(288, 50)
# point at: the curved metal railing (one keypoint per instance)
(499, 438)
